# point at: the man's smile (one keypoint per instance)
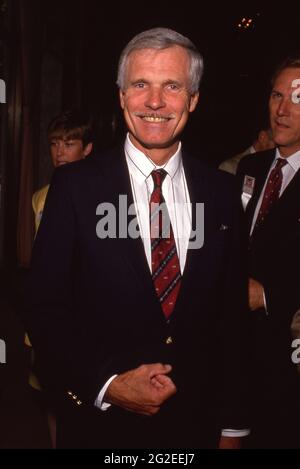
(153, 118)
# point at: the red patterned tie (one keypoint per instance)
(272, 191)
(165, 263)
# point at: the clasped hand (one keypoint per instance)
(142, 390)
(256, 295)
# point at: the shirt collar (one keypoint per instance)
(293, 160)
(141, 166)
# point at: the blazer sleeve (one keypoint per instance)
(65, 361)
(235, 326)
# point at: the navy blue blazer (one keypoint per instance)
(91, 309)
(274, 259)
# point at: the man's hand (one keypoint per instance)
(142, 390)
(227, 442)
(255, 294)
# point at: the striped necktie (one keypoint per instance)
(166, 274)
(272, 191)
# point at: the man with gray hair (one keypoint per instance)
(149, 348)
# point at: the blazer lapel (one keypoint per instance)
(198, 188)
(260, 173)
(289, 191)
(288, 200)
(130, 249)
(199, 192)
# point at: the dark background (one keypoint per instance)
(61, 53)
(87, 37)
(238, 61)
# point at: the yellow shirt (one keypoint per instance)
(38, 203)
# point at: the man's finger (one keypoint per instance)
(163, 380)
(159, 368)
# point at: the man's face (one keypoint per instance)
(156, 101)
(65, 150)
(284, 113)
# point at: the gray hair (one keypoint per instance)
(162, 38)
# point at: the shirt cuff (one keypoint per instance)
(99, 400)
(265, 302)
(235, 433)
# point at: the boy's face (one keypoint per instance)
(64, 150)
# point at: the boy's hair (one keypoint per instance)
(72, 124)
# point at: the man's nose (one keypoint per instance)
(155, 99)
(284, 107)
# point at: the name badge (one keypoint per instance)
(248, 188)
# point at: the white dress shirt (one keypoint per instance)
(175, 193)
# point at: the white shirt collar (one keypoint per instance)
(293, 160)
(141, 166)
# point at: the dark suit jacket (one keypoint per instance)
(274, 259)
(91, 310)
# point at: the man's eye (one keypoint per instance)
(139, 85)
(173, 87)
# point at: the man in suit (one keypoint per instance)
(149, 346)
(271, 194)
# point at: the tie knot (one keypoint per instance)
(280, 162)
(158, 176)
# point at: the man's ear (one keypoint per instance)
(193, 101)
(87, 149)
(121, 96)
